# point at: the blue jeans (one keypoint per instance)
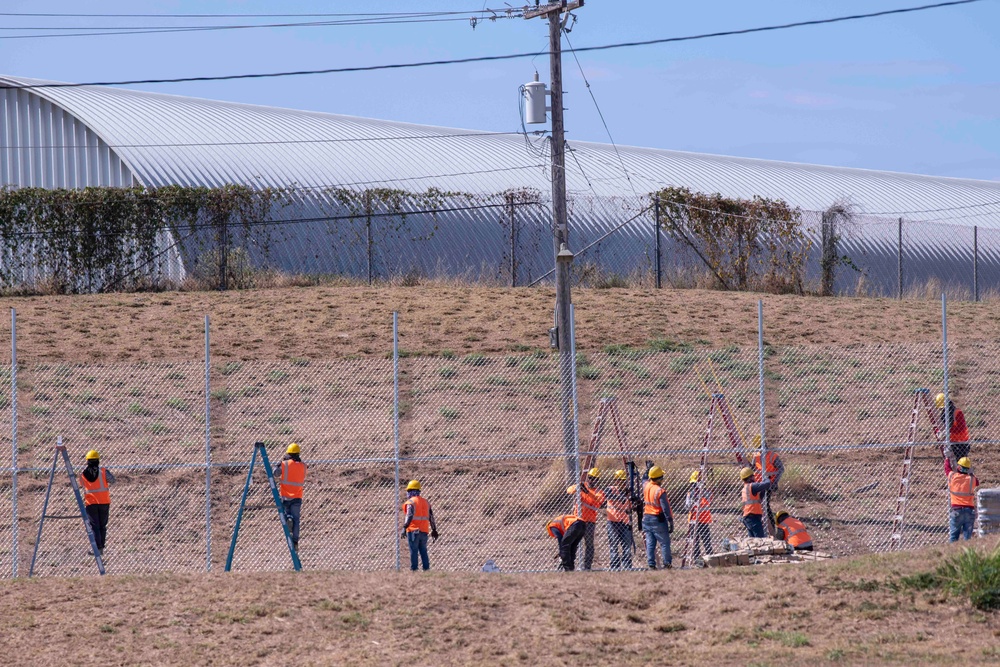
(293, 515)
(620, 542)
(960, 521)
(656, 532)
(755, 525)
(417, 542)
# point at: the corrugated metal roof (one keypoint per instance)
(243, 143)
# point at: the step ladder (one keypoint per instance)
(60, 450)
(921, 402)
(259, 449)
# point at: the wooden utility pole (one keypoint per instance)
(560, 225)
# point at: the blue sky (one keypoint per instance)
(915, 93)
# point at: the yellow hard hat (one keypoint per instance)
(694, 476)
(92, 455)
(964, 462)
(755, 442)
(594, 473)
(746, 474)
(293, 449)
(939, 400)
(620, 474)
(656, 472)
(780, 516)
(414, 485)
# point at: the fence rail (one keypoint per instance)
(483, 434)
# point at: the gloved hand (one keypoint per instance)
(402, 535)
(434, 534)
(661, 518)
(670, 527)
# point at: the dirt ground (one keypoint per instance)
(331, 322)
(841, 612)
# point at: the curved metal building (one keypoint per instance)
(83, 136)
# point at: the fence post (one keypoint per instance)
(975, 263)
(224, 255)
(656, 233)
(13, 440)
(760, 372)
(576, 411)
(947, 394)
(899, 265)
(368, 237)
(395, 425)
(208, 454)
(513, 239)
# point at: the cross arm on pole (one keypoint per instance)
(545, 10)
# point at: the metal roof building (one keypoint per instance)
(98, 136)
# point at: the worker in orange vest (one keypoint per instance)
(568, 531)
(657, 519)
(772, 468)
(291, 474)
(962, 486)
(701, 515)
(591, 500)
(753, 508)
(95, 482)
(793, 531)
(417, 524)
(619, 507)
(959, 428)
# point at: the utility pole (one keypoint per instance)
(554, 12)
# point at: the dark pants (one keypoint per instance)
(293, 515)
(755, 525)
(959, 449)
(620, 543)
(702, 535)
(570, 541)
(417, 541)
(98, 515)
(588, 544)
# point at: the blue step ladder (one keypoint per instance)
(258, 448)
(61, 450)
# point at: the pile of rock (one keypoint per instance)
(760, 550)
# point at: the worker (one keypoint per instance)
(959, 429)
(700, 516)
(962, 485)
(419, 522)
(657, 519)
(291, 474)
(753, 509)
(591, 500)
(773, 469)
(568, 531)
(619, 507)
(793, 531)
(96, 482)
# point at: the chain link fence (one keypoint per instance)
(483, 434)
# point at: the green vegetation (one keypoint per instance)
(973, 574)
(475, 359)
(448, 413)
(448, 371)
(230, 367)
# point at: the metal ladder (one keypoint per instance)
(920, 401)
(60, 450)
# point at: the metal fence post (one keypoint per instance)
(395, 424)
(208, 455)
(975, 263)
(576, 413)
(656, 232)
(947, 394)
(13, 441)
(760, 374)
(899, 265)
(513, 240)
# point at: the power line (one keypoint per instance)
(216, 16)
(511, 56)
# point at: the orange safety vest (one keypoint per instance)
(769, 461)
(619, 507)
(590, 501)
(959, 433)
(293, 478)
(96, 492)
(421, 515)
(651, 494)
(558, 526)
(704, 515)
(962, 489)
(751, 501)
(795, 532)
